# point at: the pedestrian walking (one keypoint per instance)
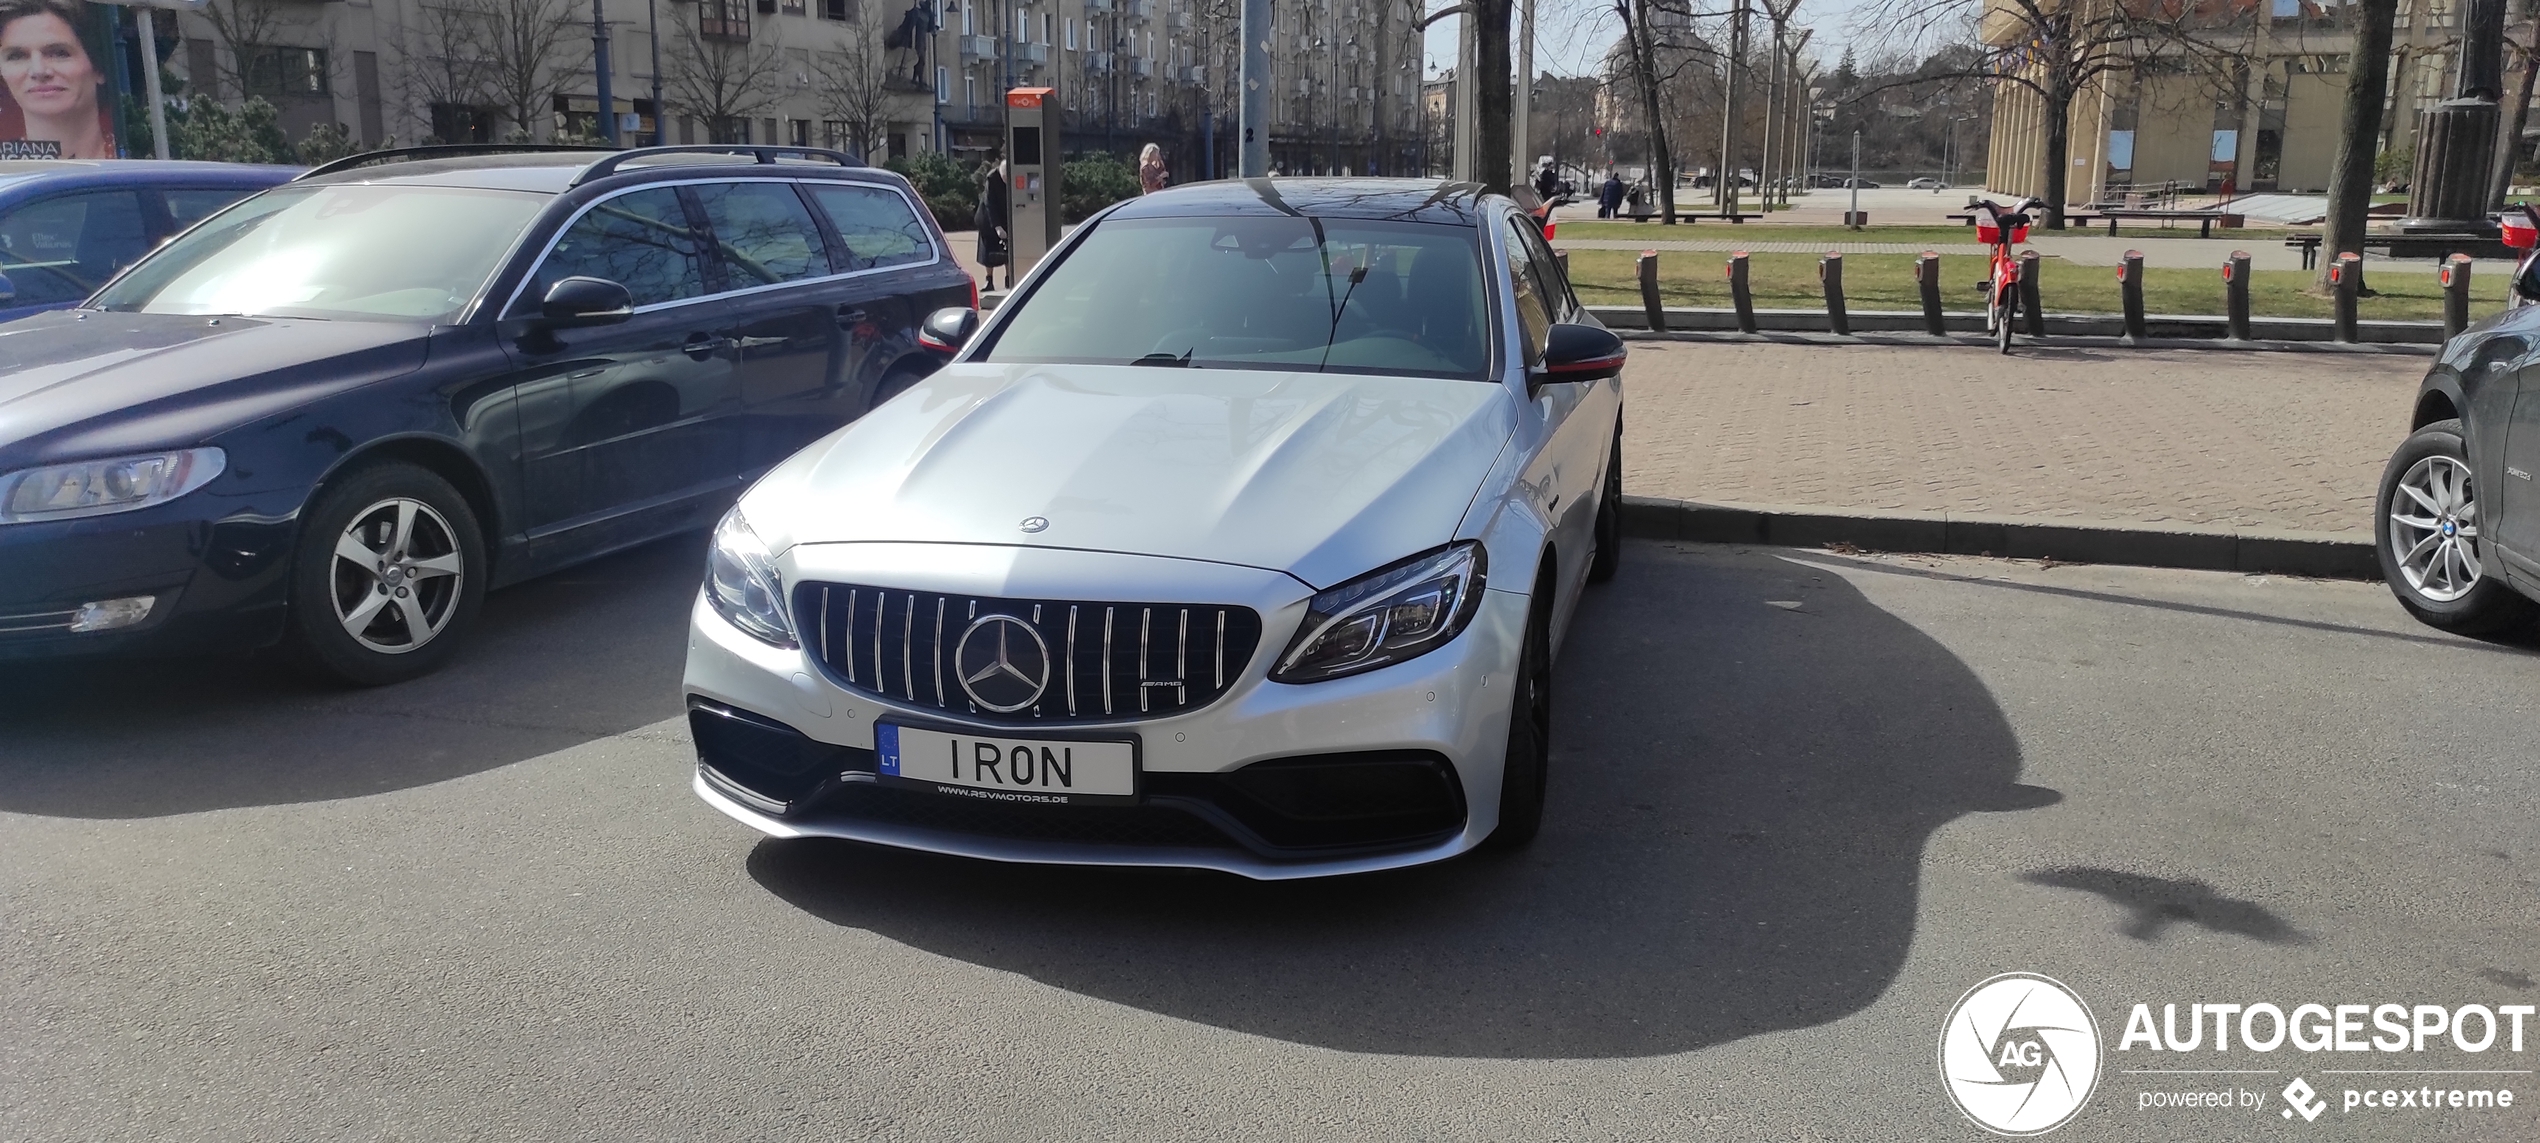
(1152, 176)
(1609, 198)
(994, 215)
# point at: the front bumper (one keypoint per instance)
(1448, 709)
(216, 583)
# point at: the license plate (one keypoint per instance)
(1050, 771)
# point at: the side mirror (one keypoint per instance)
(576, 302)
(948, 329)
(1575, 352)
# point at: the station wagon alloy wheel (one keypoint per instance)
(398, 576)
(2433, 529)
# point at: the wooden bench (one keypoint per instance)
(2075, 218)
(2204, 219)
(1685, 218)
(2308, 244)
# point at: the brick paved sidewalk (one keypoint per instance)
(2242, 440)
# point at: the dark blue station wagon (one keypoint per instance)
(334, 415)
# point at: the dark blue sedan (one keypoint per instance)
(68, 225)
(333, 415)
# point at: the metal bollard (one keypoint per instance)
(2130, 286)
(2345, 279)
(2033, 314)
(1649, 303)
(1830, 272)
(1739, 295)
(2236, 296)
(2455, 279)
(1927, 273)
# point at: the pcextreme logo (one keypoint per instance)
(2019, 1054)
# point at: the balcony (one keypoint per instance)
(980, 48)
(1098, 5)
(1098, 63)
(1138, 9)
(1032, 53)
(1181, 20)
(1196, 73)
(1142, 68)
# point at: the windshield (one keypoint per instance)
(355, 252)
(1331, 295)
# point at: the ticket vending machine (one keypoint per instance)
(1032, 158)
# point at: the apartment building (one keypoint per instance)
(2256, 108)
(896, 76)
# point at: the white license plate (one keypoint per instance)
(994, 768)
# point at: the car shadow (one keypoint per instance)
(1748, 759)
(585, 653)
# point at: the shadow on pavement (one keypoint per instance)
(1740, 798)
(582, 654)
(2153, 904)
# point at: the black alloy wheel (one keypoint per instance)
(389, 572)
(2426, 530)
(1521, 780)
(1609, 518)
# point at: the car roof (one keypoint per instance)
(23, 174)
(1408, 200)
(555, 172)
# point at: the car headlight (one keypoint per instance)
(742, 584)
(98, 487)
(1394, 613)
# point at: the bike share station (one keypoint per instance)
(1033, 159)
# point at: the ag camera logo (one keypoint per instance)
(2019, 1054)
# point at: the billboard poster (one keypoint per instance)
(56, 80)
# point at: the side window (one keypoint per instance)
(876, 225)
(764, 232)
(1556, 283)
(1534, 313)
(189, 205)
(640, 240)
(61, 249)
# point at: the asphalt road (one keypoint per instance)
(1802, 802)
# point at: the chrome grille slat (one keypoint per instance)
(1164, 687)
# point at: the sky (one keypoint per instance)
(1571, 35)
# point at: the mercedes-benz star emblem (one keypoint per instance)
(1003, 663)
(1035, 523)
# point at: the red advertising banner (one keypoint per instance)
(56, 80)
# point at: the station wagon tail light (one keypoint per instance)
(1397, 612)
(100, 487)
(742, 583)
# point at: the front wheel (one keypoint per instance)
(2426, 525)
(2002, 315)
(388, 574)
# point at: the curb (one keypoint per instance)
(2328, 555)
(2051, 341)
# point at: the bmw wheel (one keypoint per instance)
(2427, 533)
(389, 572)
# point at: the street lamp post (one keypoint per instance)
(600, 64)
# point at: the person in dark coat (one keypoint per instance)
(1609, 198)
(994, 212)
(1547, 183)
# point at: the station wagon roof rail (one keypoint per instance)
(436, 151)
(764, 156)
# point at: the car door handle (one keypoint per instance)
(848, 315)
(703, 345)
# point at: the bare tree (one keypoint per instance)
(856, 86)
(245, 27)
(532, 50)
(446, 63)
(2055, 49)
(1640, 37)
(723, 79)
(2350, 177)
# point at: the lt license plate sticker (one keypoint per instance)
(1049, 771)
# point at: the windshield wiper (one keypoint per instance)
(1182, 362)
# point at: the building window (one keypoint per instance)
(1071, 33)
(965, 23)
(274, 71)
(969, 96)
(790, 7)
(723, 19)
(836, 10)
(943, 85)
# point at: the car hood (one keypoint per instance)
(75, 381)
(1320, 475)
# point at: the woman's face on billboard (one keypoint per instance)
(46, 69)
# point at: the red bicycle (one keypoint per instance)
(2002, 230)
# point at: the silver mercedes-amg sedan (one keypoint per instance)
(1242, 536)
